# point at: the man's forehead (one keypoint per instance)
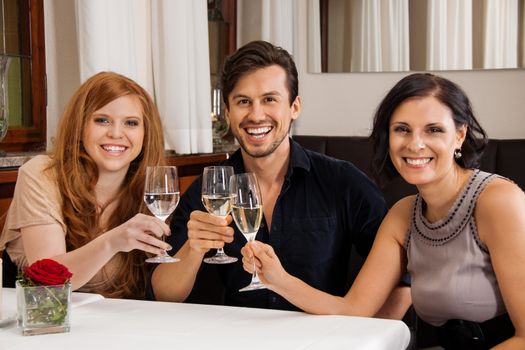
(271, 80)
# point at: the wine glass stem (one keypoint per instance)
(220, 251)
(255, 277)
(163, 239)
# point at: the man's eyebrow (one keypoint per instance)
(239, 96)
(270, 93)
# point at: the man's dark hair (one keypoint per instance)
(446, 92)
(253, 56)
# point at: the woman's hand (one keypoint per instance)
(206, 231)
(142, 232)
(268, 265)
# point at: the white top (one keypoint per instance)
(135, 324)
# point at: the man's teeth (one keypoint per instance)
(114, 148)
(419, 161)
(258, 131)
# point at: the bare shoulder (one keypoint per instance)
(500, 211)
(402, 210)
(397, 220)
(500, 195)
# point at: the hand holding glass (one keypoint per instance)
(161, 194)
(247, 211)
(216, 199)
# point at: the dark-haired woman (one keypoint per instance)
(462, 237)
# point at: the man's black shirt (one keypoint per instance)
(325, 206)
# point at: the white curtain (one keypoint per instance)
(449, 34)
(314, 36)
(270, 20)
(500, 34)
(380, 37)
(396, 54)
(161, 44)
(113, 35)
(181, 71)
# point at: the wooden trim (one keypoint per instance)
(38, 62)
(33, 138)
(7, 184)
(191, 159)
(8, 176)
(192, 165)
(229, 12)
(323, 4)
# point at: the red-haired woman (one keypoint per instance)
(82, 205)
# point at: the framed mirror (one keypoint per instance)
(406, 35)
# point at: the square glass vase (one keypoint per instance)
(43, 309)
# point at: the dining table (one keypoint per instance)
(103, 323)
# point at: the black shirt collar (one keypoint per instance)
(298, 159)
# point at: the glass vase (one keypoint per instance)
(43, 309)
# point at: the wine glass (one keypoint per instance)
(247, 211)
(161, 194)
(216, 199)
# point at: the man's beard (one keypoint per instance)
(263, 153)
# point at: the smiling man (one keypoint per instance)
(315, 207)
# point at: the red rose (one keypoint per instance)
(47, 272)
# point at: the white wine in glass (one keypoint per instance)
(247, 212)
(161, 195)
(216, 198)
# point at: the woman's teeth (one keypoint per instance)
(114, 148)
(418, 161)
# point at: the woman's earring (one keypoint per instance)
(457, 153)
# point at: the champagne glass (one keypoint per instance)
(161, 194)
(216, 199)
(247, 211)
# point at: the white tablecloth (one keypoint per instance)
(98, 323)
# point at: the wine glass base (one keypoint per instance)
(162, 259)
(220, 259)
(253, 286)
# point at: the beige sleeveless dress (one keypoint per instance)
(452, 276)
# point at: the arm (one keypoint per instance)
(500, 217)
(397, 304)
(376, 280)
(48, 241)
(36, 211)
(372, 210)
(205, 232)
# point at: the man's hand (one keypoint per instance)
(206, 231)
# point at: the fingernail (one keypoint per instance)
(170, 247)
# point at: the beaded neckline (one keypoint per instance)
(443, 230)
(453, 209)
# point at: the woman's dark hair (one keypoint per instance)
(253, 56)
(422, 85)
